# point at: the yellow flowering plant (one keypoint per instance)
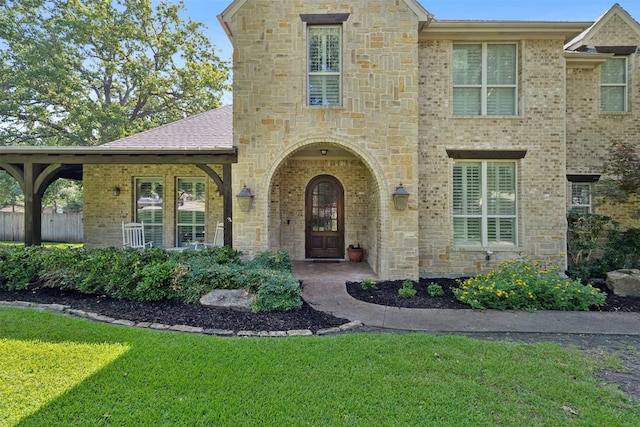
(524, 284)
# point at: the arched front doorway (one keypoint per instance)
(324, 218)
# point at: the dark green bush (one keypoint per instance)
(152, 274)
(273, 260)
(279, 292)
(20, 266)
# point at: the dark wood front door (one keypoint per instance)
(324, 215)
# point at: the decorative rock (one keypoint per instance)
(624, 282)
(160, 326)
(219, 332)
(232, 299)
(299, 333)
(351, 325)
(187, 328)
(123, 322)
(328, 331)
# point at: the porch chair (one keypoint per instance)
(133, 236)
(218, 238)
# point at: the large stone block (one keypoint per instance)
(624, 282)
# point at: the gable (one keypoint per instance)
(226, 16)
(614, 28)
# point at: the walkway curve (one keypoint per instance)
(323, 287)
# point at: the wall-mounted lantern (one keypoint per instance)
(116, 191)
(245, 198)
(400, 198)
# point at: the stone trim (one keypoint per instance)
(65, 309)
(583, 178)
(486, 154)
(323, 18)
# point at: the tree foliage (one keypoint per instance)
(86, 72)
(621, 182)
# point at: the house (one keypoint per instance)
(494, 129)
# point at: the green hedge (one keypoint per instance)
(153, 274)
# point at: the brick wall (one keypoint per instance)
(590, 132)
(104, 212)
(539, 129)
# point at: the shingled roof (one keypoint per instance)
(211, 129)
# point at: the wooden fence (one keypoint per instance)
(65, 227)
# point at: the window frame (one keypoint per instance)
(323, 74)
(484, 86)
(624, 85)
(484, 215)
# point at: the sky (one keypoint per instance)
(206, 11)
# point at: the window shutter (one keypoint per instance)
(501, 189)
(324, 65)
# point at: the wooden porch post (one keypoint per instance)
(32, 205)
(227, 207)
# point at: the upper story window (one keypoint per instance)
(324, 65)
(485, 79)
(613, 85)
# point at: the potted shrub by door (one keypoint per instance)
(355, 253)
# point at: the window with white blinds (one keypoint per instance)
(324, 65)
(149, 208)
(613, 85)
(581, 197)
(484, 203)
(485, 79)
(190, 215)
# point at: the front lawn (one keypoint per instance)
(127, 376)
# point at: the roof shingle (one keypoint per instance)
(211, 129)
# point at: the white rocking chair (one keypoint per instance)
(218, 239)
(133, 236)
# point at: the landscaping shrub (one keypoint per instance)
(273, 260)
(597, 246)
(407, 290)
(153, 274)
(20, 266)
(368, 285)
(435, 290)
(523, 284)
(279, 292)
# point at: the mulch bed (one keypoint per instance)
(387, 294)
(174, 313)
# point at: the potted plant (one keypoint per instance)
(355, 253)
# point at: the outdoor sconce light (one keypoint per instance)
(324, 151)
(245, 197)
(116, 191)
(400, 198)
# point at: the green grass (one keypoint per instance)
(124, 376)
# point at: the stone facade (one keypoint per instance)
(395, 124)
(376, 125)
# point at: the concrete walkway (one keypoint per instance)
(324, 289)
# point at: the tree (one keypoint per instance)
(621, 182)
(86, 72)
